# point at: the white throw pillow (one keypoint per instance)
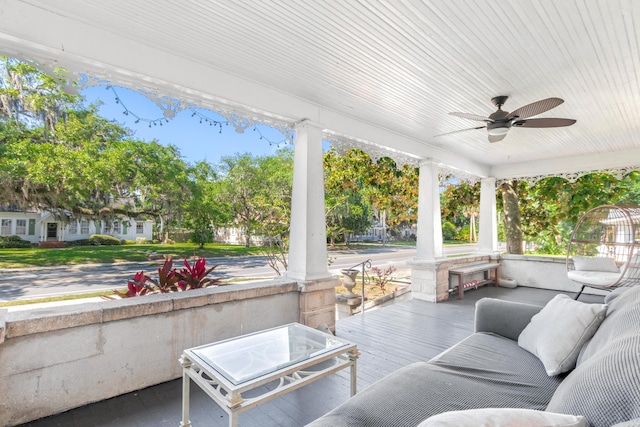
(557, 333)
(503, 417)
(582, 263)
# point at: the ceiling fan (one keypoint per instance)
(499, 123)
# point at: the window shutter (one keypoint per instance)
(32, 227)
(124, 227)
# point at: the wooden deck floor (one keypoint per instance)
(388, 338)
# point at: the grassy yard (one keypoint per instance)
(34, 257)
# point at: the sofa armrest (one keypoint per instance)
(504, 318)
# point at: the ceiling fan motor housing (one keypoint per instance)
(500, 124)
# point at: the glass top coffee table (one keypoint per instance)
(292, 355)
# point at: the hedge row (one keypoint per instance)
(13, 242)
(96, 240)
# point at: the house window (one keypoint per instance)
(21, 226)
(139, 227)
(84, 226)
(107, 227)
(73, 227)
(116, 227)
(5, 227)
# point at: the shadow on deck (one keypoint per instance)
(388, 338)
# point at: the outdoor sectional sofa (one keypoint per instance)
(489, 369)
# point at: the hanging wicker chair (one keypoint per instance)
(604, 250)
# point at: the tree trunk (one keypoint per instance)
(384, 227)
(512, 225)
(472, 228)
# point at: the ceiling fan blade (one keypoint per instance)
(544, 123)
(472, 117)
(461, 130)
(496, 138)
(535, 108)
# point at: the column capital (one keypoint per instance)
(427, 162)
(307, 123)
(488, 179)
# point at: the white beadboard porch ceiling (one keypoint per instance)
(381, 71)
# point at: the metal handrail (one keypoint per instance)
(364, 264)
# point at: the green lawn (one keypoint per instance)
(39, 257)
(35, 257)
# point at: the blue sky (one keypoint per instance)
(197, 141)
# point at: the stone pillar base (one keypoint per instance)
(429, 280)
(318, 302)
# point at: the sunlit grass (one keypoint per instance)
(35, 257)
(54, 299)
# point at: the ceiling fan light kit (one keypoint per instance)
(499, 123)
(498, 131)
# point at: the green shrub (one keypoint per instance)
(13, 242)
(464, 233)
(127, 242)
(104, 240)
(79, 242)
(449, 231)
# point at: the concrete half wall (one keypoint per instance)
(543, 272)
(56, 359)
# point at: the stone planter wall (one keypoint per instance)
(430, 279)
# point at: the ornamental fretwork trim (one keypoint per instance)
(239, 119)
(618, 173)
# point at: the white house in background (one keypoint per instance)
(234, 236)
(37, 227)
(375, 233)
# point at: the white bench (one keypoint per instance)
(490, 270)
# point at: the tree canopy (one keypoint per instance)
(58, 154)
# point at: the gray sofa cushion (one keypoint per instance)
(505, 318)
(482, 371)
(558, 333)
(605, 386)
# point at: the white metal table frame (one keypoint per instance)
(229, 395)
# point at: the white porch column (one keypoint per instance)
(308, 236)
(429, 233)
(308, 241)
(488, 236)
(424, 267)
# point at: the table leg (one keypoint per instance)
(186, 385)
(353, 356)
(233, 419)
(460, 288)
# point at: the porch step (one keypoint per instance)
(51, 244)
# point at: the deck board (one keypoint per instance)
(388, 338)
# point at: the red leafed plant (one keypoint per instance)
(136, 286)
(195, 276)
(170, 279)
